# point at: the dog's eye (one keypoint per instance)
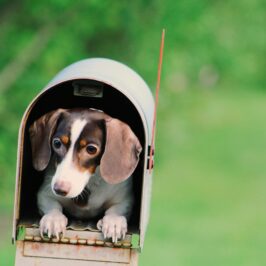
(91, 149)
(57, 143)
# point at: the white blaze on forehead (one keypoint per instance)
(76, 129)
(66, 170)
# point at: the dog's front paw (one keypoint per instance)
(53, 224)
(113, 226)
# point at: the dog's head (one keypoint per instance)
(80, 140)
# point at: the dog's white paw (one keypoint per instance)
(53, 224)
(113, 226)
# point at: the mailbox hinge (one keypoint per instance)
(148, 158)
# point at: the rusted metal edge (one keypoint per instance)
(81, 241)
(77, 238)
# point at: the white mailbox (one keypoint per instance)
(120, 92)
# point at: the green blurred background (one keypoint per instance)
(208, 202)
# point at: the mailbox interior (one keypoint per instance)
(113, 103)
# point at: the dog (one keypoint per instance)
(88, 159)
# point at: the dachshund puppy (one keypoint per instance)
(88, 159)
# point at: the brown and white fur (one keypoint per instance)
(88, 159)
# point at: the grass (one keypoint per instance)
(208, 198)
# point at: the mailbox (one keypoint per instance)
(119, 91)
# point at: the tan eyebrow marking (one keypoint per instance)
(83, 143)
(65, 139)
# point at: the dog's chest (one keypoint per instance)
(91, 209)
(98, 200)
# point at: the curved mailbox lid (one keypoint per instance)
(117, 75)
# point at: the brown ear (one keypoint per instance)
(121, 154)
(41, 132)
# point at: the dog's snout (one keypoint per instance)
(61, 188)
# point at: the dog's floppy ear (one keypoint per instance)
(41, 132)
(121, 154)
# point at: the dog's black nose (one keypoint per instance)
(61, 189)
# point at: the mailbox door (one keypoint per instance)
(76, 248)
(52, 254)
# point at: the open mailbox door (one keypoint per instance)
(120, 92)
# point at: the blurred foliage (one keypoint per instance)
(208, 200)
